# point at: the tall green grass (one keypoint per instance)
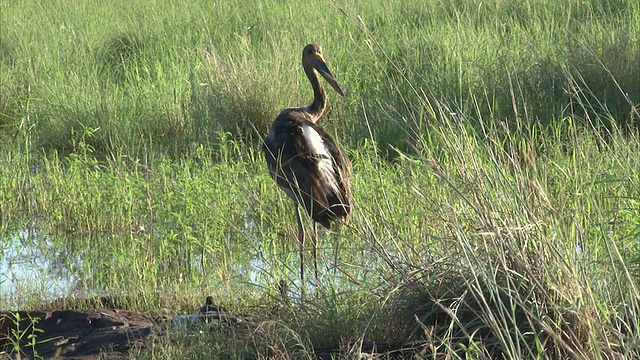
(182, 74)
(495, 170)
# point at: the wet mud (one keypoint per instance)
(73, 334)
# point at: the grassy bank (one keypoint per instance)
(495, 171)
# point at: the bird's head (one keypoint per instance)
(312, 58)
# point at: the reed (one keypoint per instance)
(494, 149)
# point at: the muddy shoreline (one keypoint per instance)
(73, 334)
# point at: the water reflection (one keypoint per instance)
(31, 263)
(45, 265)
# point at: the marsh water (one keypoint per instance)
(31, 263)
(39, 266)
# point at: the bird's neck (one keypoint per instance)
(319, 96)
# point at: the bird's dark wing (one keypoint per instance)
(310, 168)
(338, 201)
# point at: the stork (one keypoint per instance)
(306, 163)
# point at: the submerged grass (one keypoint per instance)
(495, 172)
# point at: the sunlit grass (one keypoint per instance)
(489, 227)
(495, 174)
(184, 74)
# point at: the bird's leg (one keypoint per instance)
(301, 236)
(315, 250)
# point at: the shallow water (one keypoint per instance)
(41, 266)
(30, 262)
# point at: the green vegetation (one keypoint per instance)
(495, 150)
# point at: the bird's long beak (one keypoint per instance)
(322, 68)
